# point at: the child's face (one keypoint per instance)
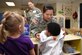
(47, 32)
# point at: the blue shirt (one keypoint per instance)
(18, 46)
(26, 30)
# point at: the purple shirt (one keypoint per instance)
(19, 46)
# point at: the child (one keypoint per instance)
(11, 40)
(51, 40)
(26, 30)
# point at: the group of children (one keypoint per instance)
(13, 42)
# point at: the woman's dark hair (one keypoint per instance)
(54, 28)
(47, 7)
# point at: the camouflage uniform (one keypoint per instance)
(34, 13)
(35, 28)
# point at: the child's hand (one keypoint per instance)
(54, 38)
(64, 34)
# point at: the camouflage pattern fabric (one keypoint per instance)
(35, 28)
(34, 13)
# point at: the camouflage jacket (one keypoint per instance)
(35, 28)
(34, 13)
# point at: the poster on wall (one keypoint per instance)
(68, 10)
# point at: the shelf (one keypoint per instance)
(76, 52)
(70, 37)
(35, 41)
(75, 42)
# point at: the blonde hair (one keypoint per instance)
(10, 24)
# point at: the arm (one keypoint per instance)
(35, 28)
(36, 25)
(32, 52)
(44, 37)
(47, 39)
(30, 47)
(62, 33)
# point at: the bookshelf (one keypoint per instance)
(75, 42)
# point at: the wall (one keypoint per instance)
(59, 5)
(12, 9)
(2, 10)
(40, 6)
(74, 6)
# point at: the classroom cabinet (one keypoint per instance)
(75, 42)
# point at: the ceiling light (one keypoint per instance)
(10, 3)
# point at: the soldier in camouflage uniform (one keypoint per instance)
(34, 13)
(48, 12)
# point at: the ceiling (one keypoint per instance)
(23, 3)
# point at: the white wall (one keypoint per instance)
(74, 6)
(12, 9)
